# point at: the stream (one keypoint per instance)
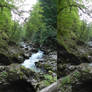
(30, 63)
(90, 45)
(38, 60)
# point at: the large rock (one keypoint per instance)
(15, 78)
(75, 56)
(10, 54)
(78, 81)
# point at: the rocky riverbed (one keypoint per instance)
(14, 77)
(47, 64)
(74, 69)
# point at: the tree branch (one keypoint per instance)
(72, 5)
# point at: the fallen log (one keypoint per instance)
(51, 88)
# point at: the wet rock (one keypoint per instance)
(26, 48)
(34, 50)
(26, 55)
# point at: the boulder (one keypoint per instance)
(78, 81)
(4, 59)
(71, 57)
(16, 78)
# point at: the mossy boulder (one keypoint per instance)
(73, 55)
(78, 80)
(13, 74)
(10, 54)
(47, 80)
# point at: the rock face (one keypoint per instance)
(15, 78)
(78, 81)
(67, 58)
(11, 54)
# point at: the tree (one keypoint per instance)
(50, 12)
(37, 27)
(8, 28)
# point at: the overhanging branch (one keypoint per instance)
(72, 5)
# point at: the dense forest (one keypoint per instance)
(38, 22)
(49, 51)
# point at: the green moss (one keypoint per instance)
(23, 68)
(47, 67)
(3, 74)
(66, 80)
(48, 79)
(46, 83)
(76, 74)
(50, 72)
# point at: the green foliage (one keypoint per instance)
(49, 79)
(69, 24)
(67, 19)
(39, 27)
(9, 29)
(4, 74)
(66, 80)
(50, 12)
(16, 33)
(5, 23)
(35, 25)
(76, 74)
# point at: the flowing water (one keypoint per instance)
(30, 63)
(90, 44)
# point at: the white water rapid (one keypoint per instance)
(90, 44)
(30, 63)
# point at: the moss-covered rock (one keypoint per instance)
(10, 53)
(47, 80)
(14, 73)
(72, 55)
(74, 81)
